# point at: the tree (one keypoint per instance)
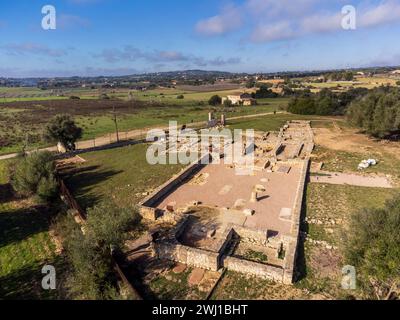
(90, 254)
(228, 103)
(304, 105)
(215, 100)
(372, 247)
(264, 92)
(63, 129)
(250, 84)
(35, 174)
(378, 112)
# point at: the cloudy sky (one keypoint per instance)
(116, 37)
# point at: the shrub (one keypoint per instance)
(372, 246)
(302, 106)
(35, 174)
(215, 100)
(264, 92)
(378, 113)
(90, 254)
(180, 97)
(228, 103)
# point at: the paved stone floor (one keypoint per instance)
(223, 189)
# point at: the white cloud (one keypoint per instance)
(273, 20)
(271, 32)
(230, 19)
(32, 48)
(385, 12)
(324, 22)
(131, 54)
(272, 8)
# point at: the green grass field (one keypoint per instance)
(96, 125)
(322, 268)
(25, 245)
(151, 117)
(342, 161)
(121, 175)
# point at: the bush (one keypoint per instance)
(215, 100)
(372, 246)
(264, 92)
(180, 97)
(302, 106)
(90, 254)
(325, 102)
(63, 129)
(228, 103)
(378, 113)
(108, 224)
(35, 174)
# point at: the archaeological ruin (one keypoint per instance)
(212, 218)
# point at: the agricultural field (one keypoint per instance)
(359, 82)
(26, 244)
(22, 122)
(169, 96)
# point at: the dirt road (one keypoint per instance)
(131, 135)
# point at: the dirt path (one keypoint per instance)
(350, 140)
(352, 180)
(131, 135)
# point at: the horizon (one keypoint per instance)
(204, 70)
(95, 38)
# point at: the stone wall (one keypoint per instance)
(149, 204)
(250, 235)
(292, 241)
(253, 268)
(190, 256)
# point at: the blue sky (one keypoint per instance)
(116, 37)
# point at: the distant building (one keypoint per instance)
(241, 99)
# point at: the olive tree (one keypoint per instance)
(90, 253)
(63, 129)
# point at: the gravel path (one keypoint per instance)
(130, 135)
(351, 179)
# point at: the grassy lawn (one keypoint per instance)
(25, 245)
(96, 126)
(342, 161)
(237, 286)
(16, 123)
(327, 209)
(172, 286)
(122, 175)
